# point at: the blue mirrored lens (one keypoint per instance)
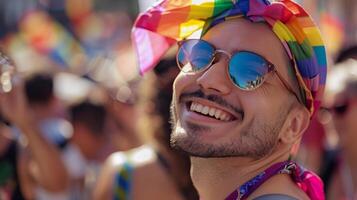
(194, 55)
(247, 69)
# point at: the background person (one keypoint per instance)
(342, 101)
(126, 174)
(40, 158)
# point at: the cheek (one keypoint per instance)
(180, 83)
(339, 124)
(351, 119)
(262, 103)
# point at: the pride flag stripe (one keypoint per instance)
(174, 20)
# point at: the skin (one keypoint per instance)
(89, 143)
(39, 159)
(346, 127)
(345, 124)
(124, 124)
(164, 183)
(267, 121)
(146, 170)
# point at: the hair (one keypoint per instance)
(343, 78)
(155, 99)
(164, 65)
(347, 53)
(156, 94)
(91, 115)
(39, 89)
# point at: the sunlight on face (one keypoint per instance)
(256, 117)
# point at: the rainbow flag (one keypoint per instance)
(168, 22)
(173, 20)
(49, 38)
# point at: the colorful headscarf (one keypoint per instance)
(170, 21)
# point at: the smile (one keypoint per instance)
(211, 112)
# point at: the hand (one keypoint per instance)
(13, 105)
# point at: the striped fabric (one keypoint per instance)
(170, 21)
(123, 182)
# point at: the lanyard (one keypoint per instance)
(250, 186)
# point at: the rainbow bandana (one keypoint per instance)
(170, 21)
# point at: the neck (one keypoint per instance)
(216, 178)
(41, 113)
(351, 162)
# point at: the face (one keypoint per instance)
(344, 118)
(213, 118)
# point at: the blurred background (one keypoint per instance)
(85, 47)
(72, 35)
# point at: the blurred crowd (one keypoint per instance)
(104, 144)
(78, 122)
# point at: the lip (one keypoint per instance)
(196, 117)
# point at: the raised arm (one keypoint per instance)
(48, 169)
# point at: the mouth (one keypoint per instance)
(214, 112)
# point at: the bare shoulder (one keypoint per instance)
(282, 185)
(114, 163)
(104, 185)
(146, 168)
(137, 157)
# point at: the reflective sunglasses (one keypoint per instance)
(247, 70)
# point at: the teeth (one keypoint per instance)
(193, 106)
(218, 114)
(205, 110)
(223, 117)
(213, 112)
(199, 107)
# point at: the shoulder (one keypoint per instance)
(280, 184)
(136, 158)
(275, 197)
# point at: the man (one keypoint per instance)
(47, 109)
(246, 92)
(126, 174)
(87, 146)
(89, 129)
(341, 97)
(39, 159)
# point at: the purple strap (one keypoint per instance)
(307, 181)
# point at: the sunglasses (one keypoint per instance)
(341, 109)
(247, 70)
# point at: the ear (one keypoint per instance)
(295, 125)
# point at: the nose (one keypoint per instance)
(215, 78)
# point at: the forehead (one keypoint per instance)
(241, 34)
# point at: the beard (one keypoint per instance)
(255, 140)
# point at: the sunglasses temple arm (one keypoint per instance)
(286, 84)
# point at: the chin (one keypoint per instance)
(182, 141)
(194, 143)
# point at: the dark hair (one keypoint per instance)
(39, 89)
(346, 53)
(89, 114)
(164, 65)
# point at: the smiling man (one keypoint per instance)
(247, 90)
